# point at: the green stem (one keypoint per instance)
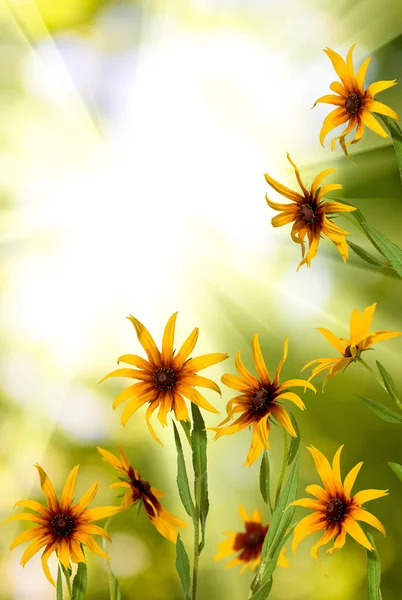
(268, 486)
(109, 568)
(196, 522)
(68, 582)
(284, 465)
(378, 379)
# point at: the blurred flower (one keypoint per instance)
(360, 340)
(165, 377)
(355, 104)
(336, 511)
(140, 490)
(309, 214)
(249, 543)
(259, 400)
(62, 527)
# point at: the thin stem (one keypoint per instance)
(196, 522)
(284, 465)
(68, 582)
(378, 379)
(268, 482)
(109, 568)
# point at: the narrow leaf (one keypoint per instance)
(396, 135)
(388, 382)
(294, 442)
(116, 587)
(263, 592)
(373, 572)
(265, 479)
(183, 567)
(80, 582)
(381, 411)
(397, 469)
(59, 587)
(182, 479)
(199, 446)
(362, 253)
(391, 251)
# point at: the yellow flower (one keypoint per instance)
(336, 511)
(259, 400)
(360, 340)
(308, 213)
(355, 105)
(165, 377)
(61, 526)
(140, 490)
(248, 543)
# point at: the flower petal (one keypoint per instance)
(318, 179)
(168, 340)
(359, 514)
(354, 530)
(283, 419)
(186, 349)
(283, 190)
(86, 499)
(293, 398)
(372, 123)
(50, 548)
(382, 109)
(350, 479)
(367, 495)
(48, 490)
(194, 396)
(147, 342)
(68, 490)
(307, 526)
(204, 361)
(253, 381)
(180, 408)
(361, 74)
(299, 179)
(323, 469)
(332, 339)
(282, 361)
(380, 86)
(101, 512)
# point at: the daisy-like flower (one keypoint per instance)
(309, 214)
(248, 543)
(355, 105)
(140, 490)
(260, 399)
(61, 526)
(361, 339)
(336, 510)
(165, 377)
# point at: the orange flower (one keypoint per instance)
(248, 543)
(355, 104)
(260, 399)
(165, 377)
(336, 510)
(61, 526)
(140, 490)
(309, 214)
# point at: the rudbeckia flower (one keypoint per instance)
(361, 339)
(336, 510)
(260, 399)
(247, 543)
(165, 378)
(309, 214)
(140, 490)
(355, 104)
(61, 526)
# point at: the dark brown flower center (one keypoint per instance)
(164, 379)
(143, 486)
(259, 398)
(348, 352)
(335, 510)
(62, 525)
(253, 538)
(353, 104)
(307, 214)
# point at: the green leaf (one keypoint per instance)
(373, 572)
(199, 446)
(381, 411)
(265, 479)
(116, 587)
(182, 479)
(396, 135)
(263, 592)
(362, 253)
(294, 442)
(278, 531)
(391, 251)
(397, 469)
(80, 582)
(183, 567)
(388, 382)
(59, 587)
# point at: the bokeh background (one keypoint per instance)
(133, 140)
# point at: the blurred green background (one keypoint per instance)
(134, 137)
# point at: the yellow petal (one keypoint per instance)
(180, 408)
(202, 362)
(339, 542)
(282, 207)
(95, 530)
(309, 503)
(330, 187)
(236, 383)
(382, 109)
(282, 361)
(48, 490)
(135, 361)
(323, 469)
(259, 361)
(367, 495)
(319, 492)
(336, 470)
(90, 543)
(362, 515)
(299, 179)
(350, 479)
(327, 537)
(336, 207)
(243, 514)
(33, 505)
(296, 383)
(198, 381)
(331, 99)
(340, 67)
(186, 349)
(63, 552)
(380, 86)
(282, 219)
(354, 530)
(253, 381)
(310, 524)
(29, 534)
(150, 410)
(332, 339)
(165, 404)
(101, 512)
(194, 396)
(257, 447)
(372, 123)
(283, 190)
(34, 547)
(50, 548)
(293, 398)
(361, 74)
(136, 391)
(283, 419)
(68, 490)
(318, 179)
(336, 117)
(168, 339)
(110, 458)
(146, 341)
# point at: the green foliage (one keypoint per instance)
(381, 411)
(373, 572)
(59, 587)
(80, 582)
(396, 135)
(362, 253)
(199, 446)
(183, 567)
(388, 382)
(182, 479)
(294, 442)
(265, 479)
(397, 469)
